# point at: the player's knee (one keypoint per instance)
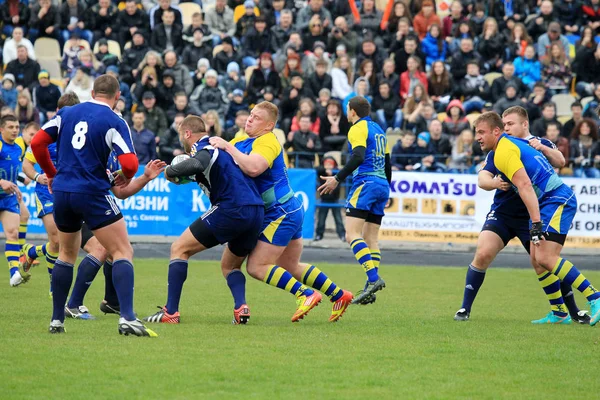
(11, 232)
(351, 236)
(544, 259)
(255, 271)
(179, 250)
(24, 215)
(483, 258)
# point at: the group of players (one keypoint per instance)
(86, 150)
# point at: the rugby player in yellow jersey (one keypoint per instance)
(371, 171)
(276, 257)
(551, 206)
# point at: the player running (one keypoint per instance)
(85, 135)
(235, 217)
(551, 206)
(276, 258)
(11, 154)
(371, 170)
(26, 136)
(508, 218)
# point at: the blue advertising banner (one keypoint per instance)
(165, 209)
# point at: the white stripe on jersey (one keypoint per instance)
(54, 122)
(113, 137)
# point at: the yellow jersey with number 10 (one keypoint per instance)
(367, 133)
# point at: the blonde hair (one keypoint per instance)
(492, 119)
(271, 110)
(217, 126)
(144, 63)
(28, 108)
(460, 144)
(349, 71)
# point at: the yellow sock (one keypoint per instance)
(22, 234)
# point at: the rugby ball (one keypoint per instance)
(182, 180)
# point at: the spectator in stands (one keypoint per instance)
(305, 142)
(315, 7)
(239, 129)
(132, 58)
(181, 106)
(9, 52)
(196, 50)
(233, 80)
(14, 14)
(9, 91)
(464, 31)
(291, 98)
(101, 18)
(156, 120)
(528, 68)
(213, 124)
(474, 88)
(168, 35)
(508, 76)
(389, 75)
(427, 160)
(167, 90)
(370, 21)
(366, 70)
(197, 22)
(263, 76)
(246, 21)
(71, 51)
(45, 21)
(220, 21)
(502, 10)
(342, 76)
(440, 86)
(341, 34)
(588, 73)
(557, 70)
(257, 41)
(158, 11)
(510, 98)
(81, 84)
(539, 25)
(320, 79)
(144, 140)
(518, 41)
(169, 145)
(451, 21)
(386, 106)
(403, 153)
(322, 101)
(334, 127)
(537, 99)
(477, 19)
(123, 87)
(24, 69)
(589, 111)
(280, 33)
(401, 56)
(210, 96)
(424, 118)
(73, 20)
(434, 47)
(425, 18)
(201, 68)
(585, 150)
(370, 51)
(45, 96)
(414, 104)
(85, 58)
(549, 38)
(226, 56)
(458, 67)
(491, 45)
(236, 105)
(25, 110)
(122, 110)
(538, 127)
(130, 21)
(316, 33)
(292, 64)
(561, 143)
(329, 167)
(104, 56)
(466, 154)
(569, 15)
(399, 11)
(180, 71)
(439, 142)
(577, 117)
(591, 14)
(361, 88)
(411, 77)
(455, 121)
(274, 12)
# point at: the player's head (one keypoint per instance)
(67, 100)
(29, 132)
(106, 89)
(516, 122)
(192, 128)
(358, 107)
(262, 119)
(488, 128)
(9, 127)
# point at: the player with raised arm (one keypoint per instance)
(11, 154)
(551, 206)
(508, 218)
(235, 216)
(371, 171)
(276, 258)
(86, 134)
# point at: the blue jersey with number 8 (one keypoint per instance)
(368, 134)
(86, 134)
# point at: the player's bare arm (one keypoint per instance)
(29, 170)
(151, 171)
(523, 184)
(331, 182)
(556, 158)
(251, 164)
(487, 181)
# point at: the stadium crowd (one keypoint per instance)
(428, 69)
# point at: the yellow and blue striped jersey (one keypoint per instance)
(368, 134)
(11, 156)
(513, 154)
(273, 184)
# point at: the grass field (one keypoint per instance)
(404, 346)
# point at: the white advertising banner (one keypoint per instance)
(450, 208)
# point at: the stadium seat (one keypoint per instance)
(217, 49)
(472, 117)
(392, 140)
(280, 136)
(490, 77)
(586, 100)
(563, 120)
(47, 48)
(572, 51)
(113, 48)
(240, 11)
(442, 116)
(52, 66)
(58, 82)
(248, 73)
(127, 46)
(187, 10)
(336, 155)
(563, 103)
(84, 44)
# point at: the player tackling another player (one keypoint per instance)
(551, 206)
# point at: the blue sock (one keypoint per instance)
(474, 281)
(86, 272)
(110, 294)
(123, 281)
(236, 280)
(62, 277)
(177, 276)
(32, 253)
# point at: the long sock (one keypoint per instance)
(37, 251)
(236, 280)
(86, 272)
(12, 253)
(123, 281)
(475, 277)
(50, 261)
(22, 234)
(316, 279)
(376, 257)
(551, 286)
(569, 298)
(62, 277)
(280, 278)
(177, 276)
(363, 256)
(569, 274)
(110, 294)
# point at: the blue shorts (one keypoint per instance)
(283, 223)
(96, 210)
(508, 227)
(238, 227)
(368, 194)
(10, 203)
(44, 201)
(557, 209)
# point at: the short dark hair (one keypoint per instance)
(242, 112)
(491, 118)
(33, 125)
(305, 117)
(139, 111)
(177, 94)
(539, 85)
(194, 123)
(520, 111)
(576, 103)
(106, 86)
(67, 100)
(553, 123)
(8, 118)
(360, 105)
(548, 105)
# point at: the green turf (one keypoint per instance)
(404, 346)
